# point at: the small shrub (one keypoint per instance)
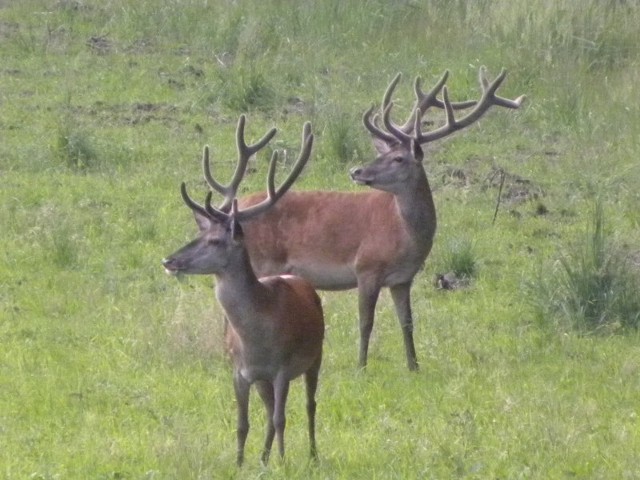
(592, 287)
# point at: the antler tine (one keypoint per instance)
(234, 216)
(303, 157)
(451, 120)
(206, 170)
(386, 98)
(306, 130)
(491, 87)
(424, 101)
(487, 99)
(190, 203)
(397, 132)
(207, 210)
(374, 129)
(214, 212)
(274, 195)
(245, 152)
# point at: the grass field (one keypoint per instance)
(109, 369)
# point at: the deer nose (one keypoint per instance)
(170, 265)
(359, 177)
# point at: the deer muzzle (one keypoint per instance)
(171, 266)
(357, 176)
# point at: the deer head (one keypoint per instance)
(220, 240)
(399, 146)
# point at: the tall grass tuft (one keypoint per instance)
(64, 250)
(592, 287)
(460, 259)
(73, 147)
(245, 89)
(341, 138)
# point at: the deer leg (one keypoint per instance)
(401, 295)
(265, 389)
(367, 299)
(241, 387)
(311, 381)
(281, 390)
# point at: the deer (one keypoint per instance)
(274, 325)
(367, 240)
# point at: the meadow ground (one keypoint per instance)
(110, 369)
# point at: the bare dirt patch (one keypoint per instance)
(515, 189)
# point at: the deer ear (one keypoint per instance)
(381, 146)
(204, 223)
(418, 154)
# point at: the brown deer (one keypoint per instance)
(364, 240)
(274, 325)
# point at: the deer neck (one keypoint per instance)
(238, 290)
(416, 207)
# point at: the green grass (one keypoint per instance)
(594, 286)
(460, 259)
(109, 369)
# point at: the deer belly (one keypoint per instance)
(402, 273)
(325, 276)
(254, 373)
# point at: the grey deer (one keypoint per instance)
(274, 325)
(364, 240)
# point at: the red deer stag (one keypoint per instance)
(275, 324)
(364, 240)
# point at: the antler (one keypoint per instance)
(412, 129)
(207, 210)
(245, 152)
(424, 101)
(274, 195)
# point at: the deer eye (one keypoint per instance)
(215, 242)
(398, 159)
